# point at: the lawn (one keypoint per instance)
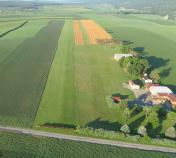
(24, 72)
(80, 79)
(13, 145)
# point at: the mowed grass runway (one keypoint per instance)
(80, 79)
(24, 71)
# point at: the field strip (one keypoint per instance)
(78, 34)
(87, 140)
(95, 32)
(57, 102)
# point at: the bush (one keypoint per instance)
(120, 136)
(142, 131)
(125, 129)
(171, 133)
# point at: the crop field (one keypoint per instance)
(78, 34)
(13, 145)
(95, 32)
(24, 70)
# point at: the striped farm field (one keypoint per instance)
(78, 34)
(95, 32)
(24, 70)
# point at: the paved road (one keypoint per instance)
(85, 139)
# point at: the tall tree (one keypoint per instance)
(155, 75)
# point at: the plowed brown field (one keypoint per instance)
(95, 32)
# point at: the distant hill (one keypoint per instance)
(162, 7)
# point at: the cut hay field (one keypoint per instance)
(155, 38)
(21, 146)
(80, 79)
(26, 55)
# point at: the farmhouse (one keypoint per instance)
(133, 85)
(120, 56)
(161, 94)
(146, 79)
(154, 90)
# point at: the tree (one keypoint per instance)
(125, 49)
(125, 129)
(171, 132)
(147, 111)
(134, 67)
(170, 121)
(126, 114)
(153, 119)
(124, 103)
(155, 75)
(142, 131)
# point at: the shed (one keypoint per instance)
(120, 56)
(133, 85)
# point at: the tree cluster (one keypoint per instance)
(135, 67)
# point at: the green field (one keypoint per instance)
(24, 70)
(13, 145)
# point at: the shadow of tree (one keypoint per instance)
(162, 115)
(104, 124)
(165, 72)
(127, 42)
(157, 62)
(135, 124)
(136, 110)
(139, 49)
(172, 87)
(59, 125)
